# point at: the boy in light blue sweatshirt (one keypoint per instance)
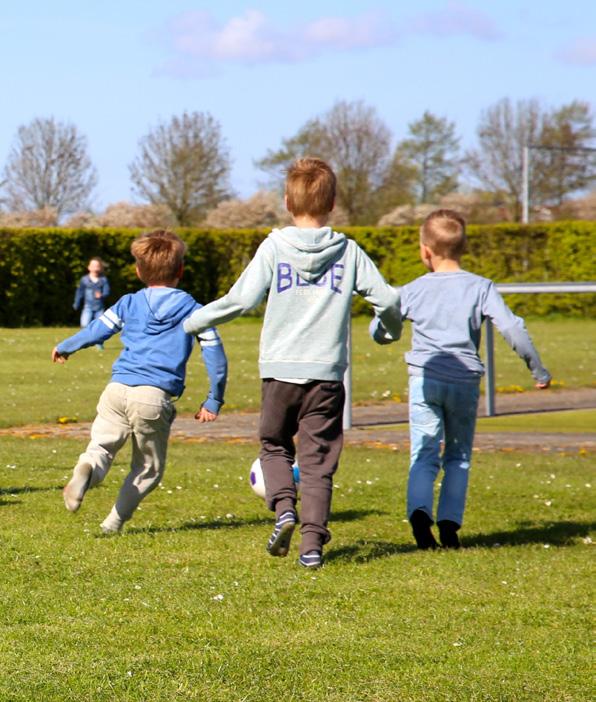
(146, 378)
(308, 272)
(447, 307)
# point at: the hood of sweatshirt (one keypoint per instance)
(166, 308)
(310, 252)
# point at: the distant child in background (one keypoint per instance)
(309, 272)
(92, 292)
(146, 378)
(447, 307)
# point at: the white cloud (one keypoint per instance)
(456, 19)
(199, 42)
(581, 52)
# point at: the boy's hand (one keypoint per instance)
(543, 386)
(204, 415)
(58, 357)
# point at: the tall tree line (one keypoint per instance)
(183, 165)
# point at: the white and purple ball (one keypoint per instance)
(257, 482)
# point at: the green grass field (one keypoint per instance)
(38, 391)
(187, 605)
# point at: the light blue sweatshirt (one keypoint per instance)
(447, 311)
(156, 349)
(310, 275)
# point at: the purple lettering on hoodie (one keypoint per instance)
(336, 276)
(284, 277)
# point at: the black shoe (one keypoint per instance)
(448, 533)
(421, 524)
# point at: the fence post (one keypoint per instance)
(490, 370)
(347, 416)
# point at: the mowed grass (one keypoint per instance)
(38, 391)
(187, 605)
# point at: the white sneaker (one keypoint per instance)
(78, 485)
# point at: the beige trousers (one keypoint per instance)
(145, 414)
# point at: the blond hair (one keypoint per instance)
(310, 187)
(159, 256)
(444, 232)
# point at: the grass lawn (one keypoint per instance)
(37, 391)
(186, 604)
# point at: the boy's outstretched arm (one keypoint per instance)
(384, 298)
(515, 334)
(245, 294)
(98, 331)
(216, 364)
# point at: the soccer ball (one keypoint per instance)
(257, 481)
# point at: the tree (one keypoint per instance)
(183, 164)
(263, 209)
(556, 171)
(432, 148)
(48, 168)
(566, 132)
(355, 141)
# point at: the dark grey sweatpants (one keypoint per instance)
(313, 412)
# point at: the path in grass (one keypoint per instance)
(385, 424)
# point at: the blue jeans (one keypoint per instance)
(441, 411)
(88, 315)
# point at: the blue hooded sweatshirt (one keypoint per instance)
(156, 348)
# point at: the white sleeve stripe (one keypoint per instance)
(215, 342)
(107, 322)
(208, 335)
(113, 317)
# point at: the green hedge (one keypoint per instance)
(40, 268)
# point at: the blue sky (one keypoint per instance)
(116, 69)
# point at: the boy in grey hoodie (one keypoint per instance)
(309, 272)
(447, 307)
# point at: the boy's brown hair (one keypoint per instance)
(159, 256)
(310, 187)
(444, 232)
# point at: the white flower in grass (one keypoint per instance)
(588, 485)
(215, 485)
(587, 540)
(546, 545)
(137, 587)
(178, 487)
(218, 598)
(170, 492)
(548, 503)
(229, 515)
(458, 643)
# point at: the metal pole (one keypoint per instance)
(347, 416)
(490, 370)
(525, 195)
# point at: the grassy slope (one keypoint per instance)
(37, 391)
(138, 617)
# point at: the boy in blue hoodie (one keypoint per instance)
(147, 376)
(309, 273)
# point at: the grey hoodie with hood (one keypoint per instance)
(310, 275)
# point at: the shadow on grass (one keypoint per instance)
(365, 551)
(7, 503)
(554, 533)
(25, 490)
(347, 515)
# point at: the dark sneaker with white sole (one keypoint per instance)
(312, 559)
(279, 541)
